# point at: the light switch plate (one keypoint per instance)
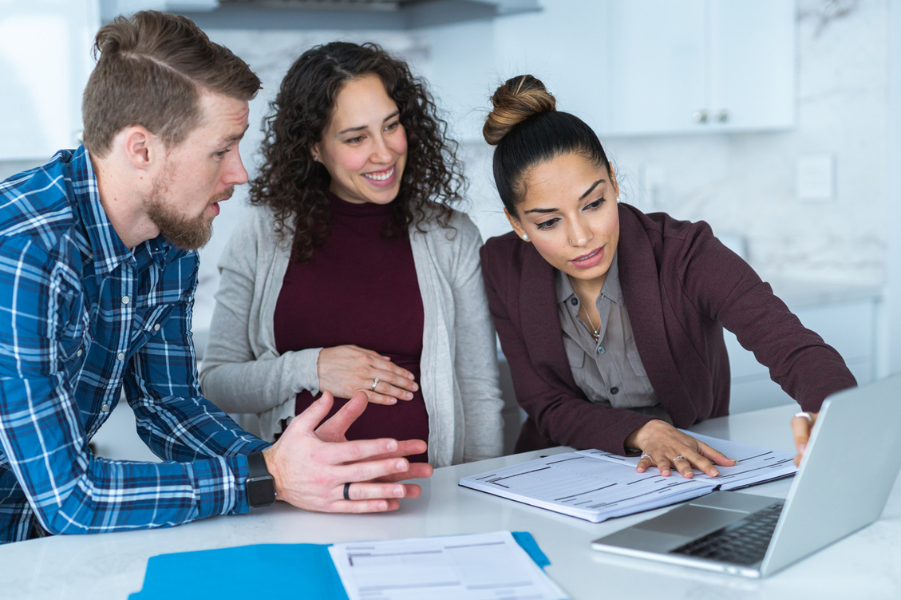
(816, 177)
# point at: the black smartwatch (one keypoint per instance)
(260, 486)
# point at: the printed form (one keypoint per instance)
(596, 486)
(459, 567)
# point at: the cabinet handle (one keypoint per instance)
(723, 116)
(700, 116)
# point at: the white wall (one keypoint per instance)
(891, 340)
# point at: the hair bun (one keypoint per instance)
(518, 99)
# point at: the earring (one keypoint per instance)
(316, 159)
(525, 237)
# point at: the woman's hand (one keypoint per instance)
(663, 445)
(347, 370)
(801, 428)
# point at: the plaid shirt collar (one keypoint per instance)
(105, 247)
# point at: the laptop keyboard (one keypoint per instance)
(743, 542)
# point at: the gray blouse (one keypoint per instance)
(609, 372)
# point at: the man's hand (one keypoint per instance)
(310, 465)
(801, 428)
(663, 445)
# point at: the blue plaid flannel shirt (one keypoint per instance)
(81, 316)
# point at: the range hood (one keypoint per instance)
(325, 14)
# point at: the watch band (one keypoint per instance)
(259, 485)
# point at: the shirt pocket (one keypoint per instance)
(641, 376)
(75, 329)
(148, 323)
(574, 353)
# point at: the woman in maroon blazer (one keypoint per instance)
(612, 320)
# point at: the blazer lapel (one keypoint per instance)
(540, 325)
(641, 290)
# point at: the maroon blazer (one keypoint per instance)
(681, 287)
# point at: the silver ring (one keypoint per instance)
(806, 415)
(646, 456)
(675, 458)
(374, 383)
(347, 491)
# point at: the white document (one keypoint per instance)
(596, 486)
(585, 486)
(488, 566)
(753, 464)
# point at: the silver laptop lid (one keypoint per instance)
(848, 470)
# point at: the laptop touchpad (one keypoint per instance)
(693, 521)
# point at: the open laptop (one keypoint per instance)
(845, 478)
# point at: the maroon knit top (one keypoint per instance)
(359, 288)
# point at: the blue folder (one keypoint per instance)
(303, 570)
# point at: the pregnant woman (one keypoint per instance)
(353, 272)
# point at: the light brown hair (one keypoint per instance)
(151, 70)
(514, 102)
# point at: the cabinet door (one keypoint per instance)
(658, 50)
(45, 60)
(752, 61)
(701, 66)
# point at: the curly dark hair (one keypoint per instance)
(294, 186)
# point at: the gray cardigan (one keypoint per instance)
(243, 373)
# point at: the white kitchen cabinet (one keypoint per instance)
(697, 66)
(45, 61)
(563, 45)
(630, 67)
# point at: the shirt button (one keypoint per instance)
(126, 300)
(79, 352)
(601, 350)
(614, 390)
(574, 301)
(120, 356)
(156, 327)
(105, 407)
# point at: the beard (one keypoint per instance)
(185, 232)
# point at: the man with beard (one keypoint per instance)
(98, 268)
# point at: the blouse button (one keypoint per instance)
(156, 327)
(574, 301)
(125, 299)
(601, 350)
(104, 407)
(78, 352)
(614, 390)
(120, 356)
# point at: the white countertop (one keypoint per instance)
(867, 564)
